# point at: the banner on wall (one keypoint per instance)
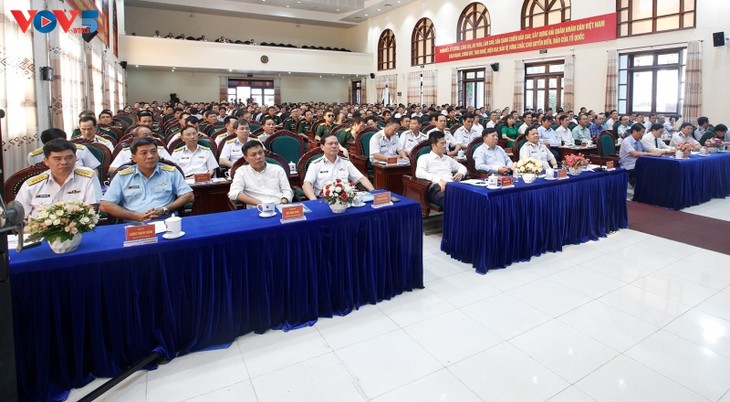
(571, 33)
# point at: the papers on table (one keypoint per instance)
(306, 208)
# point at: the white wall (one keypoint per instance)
(590, 60)
(144, 21)
(150, 85)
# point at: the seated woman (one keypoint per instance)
(509, 131)
(534, 148)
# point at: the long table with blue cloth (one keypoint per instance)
(495, 228)
(680, 183)
(96, 311)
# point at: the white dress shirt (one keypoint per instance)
(269, 185)
(566, 136)
(84, 157)
(678, 138)
(491, 159)
(465, 137)
(381, 144)
(41, 190)
(652, 143)
(322, 170)
(538, 151)
(201, 160)
(408, 140)
(434, 168)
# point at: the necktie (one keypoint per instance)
(656, 142)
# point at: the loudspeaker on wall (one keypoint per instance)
(718, 39)
(123, 64)
(495, 66)
(372, 75)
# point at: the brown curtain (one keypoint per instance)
(414, 87)
(569, 83)
(379, 87)
(430, 85)
(488, 89)
(519, 88)
(68, 97)
(454, 86)
(17, 89)
(364, 90)
(611, 80)
(693, 83)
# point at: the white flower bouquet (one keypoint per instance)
(529, 165)
(62, 220)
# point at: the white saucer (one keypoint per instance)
(263, 215)
(493, 187)
(170, 236)
(357, 206)
(549, 178)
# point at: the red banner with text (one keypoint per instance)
(571, 33)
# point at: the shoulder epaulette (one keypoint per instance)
(231, 141)
(203, 147)
(178, 149)
(126, 171)
(168, 168)
(318, 159)
(80, 147)
(37, 179)
(84, 172)
(36, 152)
(160, 147)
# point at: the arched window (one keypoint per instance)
(386, 51)
(539, 13)
(648, 16)
(422, 42)
(473, 23)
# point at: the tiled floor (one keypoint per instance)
(628, 318)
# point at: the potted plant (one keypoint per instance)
(61, 224)
(529, 169)
(339, 194)
(575, 163)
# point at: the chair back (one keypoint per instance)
(454, 127)
(271, 157)
(104, 155)
(422, 148)
(313, 129)
(305, 160)
(470, 166)
(426, 128)
(286, 144)
(519, 142)
(606, 144)
(13, 183)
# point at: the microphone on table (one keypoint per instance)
(12, 220)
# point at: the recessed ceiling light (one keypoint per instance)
(287, 6)
(137, 65)
(366, 15)
(289, 72)
(320, 76)
(230, 70)
(378, 9)
(338, 9)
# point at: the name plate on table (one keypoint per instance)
(506, 181)
(382, 199)
(202, 177)
(292, 213)
(562, 174)
(139, 234)
(610, 165)
(392, 160)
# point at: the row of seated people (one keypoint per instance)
(224, 39)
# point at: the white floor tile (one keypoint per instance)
(697, 368)
(238, 392)
(703, 329)
(623, 379)
(669, 247)
(276, 349)
(586, 281)
(387, 362)
(413, 307)
(503, 373)
(704, 267)
(718, 305)
(436, 266)
(320, 379)
(549, 297)
(571, 394)
(565, 351)
(133, 388)
(619, 268)
(463, 288)
(505, 315)
(452, 337)
(365, 323)
(437, 387)
(675, 288)
(645, 305)
(196, 374)
(612, 327)
(506, 279)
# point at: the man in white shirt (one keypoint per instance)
(652, 140)
(549, 137)
(581, 132)
(64, 181)
(566, 136)
(193, 158)
(452, 146)
(527, 123)
(84, 157)
(612, 116)
(623, 126)
(438, 168)
(632, 148)
(493, 119)
(384, 143)
(468, 132)
(87, 127)
(685, 135)
(125, 154)
(411, 138)
(703, 123)
(259, 182)
(490, 157)
(330, 167)
(233, 149)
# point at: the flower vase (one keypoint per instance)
(65, 246)
(712, 150)
(529, 177)
(338, 207)
(575, 171)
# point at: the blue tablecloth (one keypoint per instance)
(97, 310)
(494, 228)
(680, 183)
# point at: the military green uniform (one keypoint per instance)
(305, 127)
(344, 136)
(322, 129)
(290, 125)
